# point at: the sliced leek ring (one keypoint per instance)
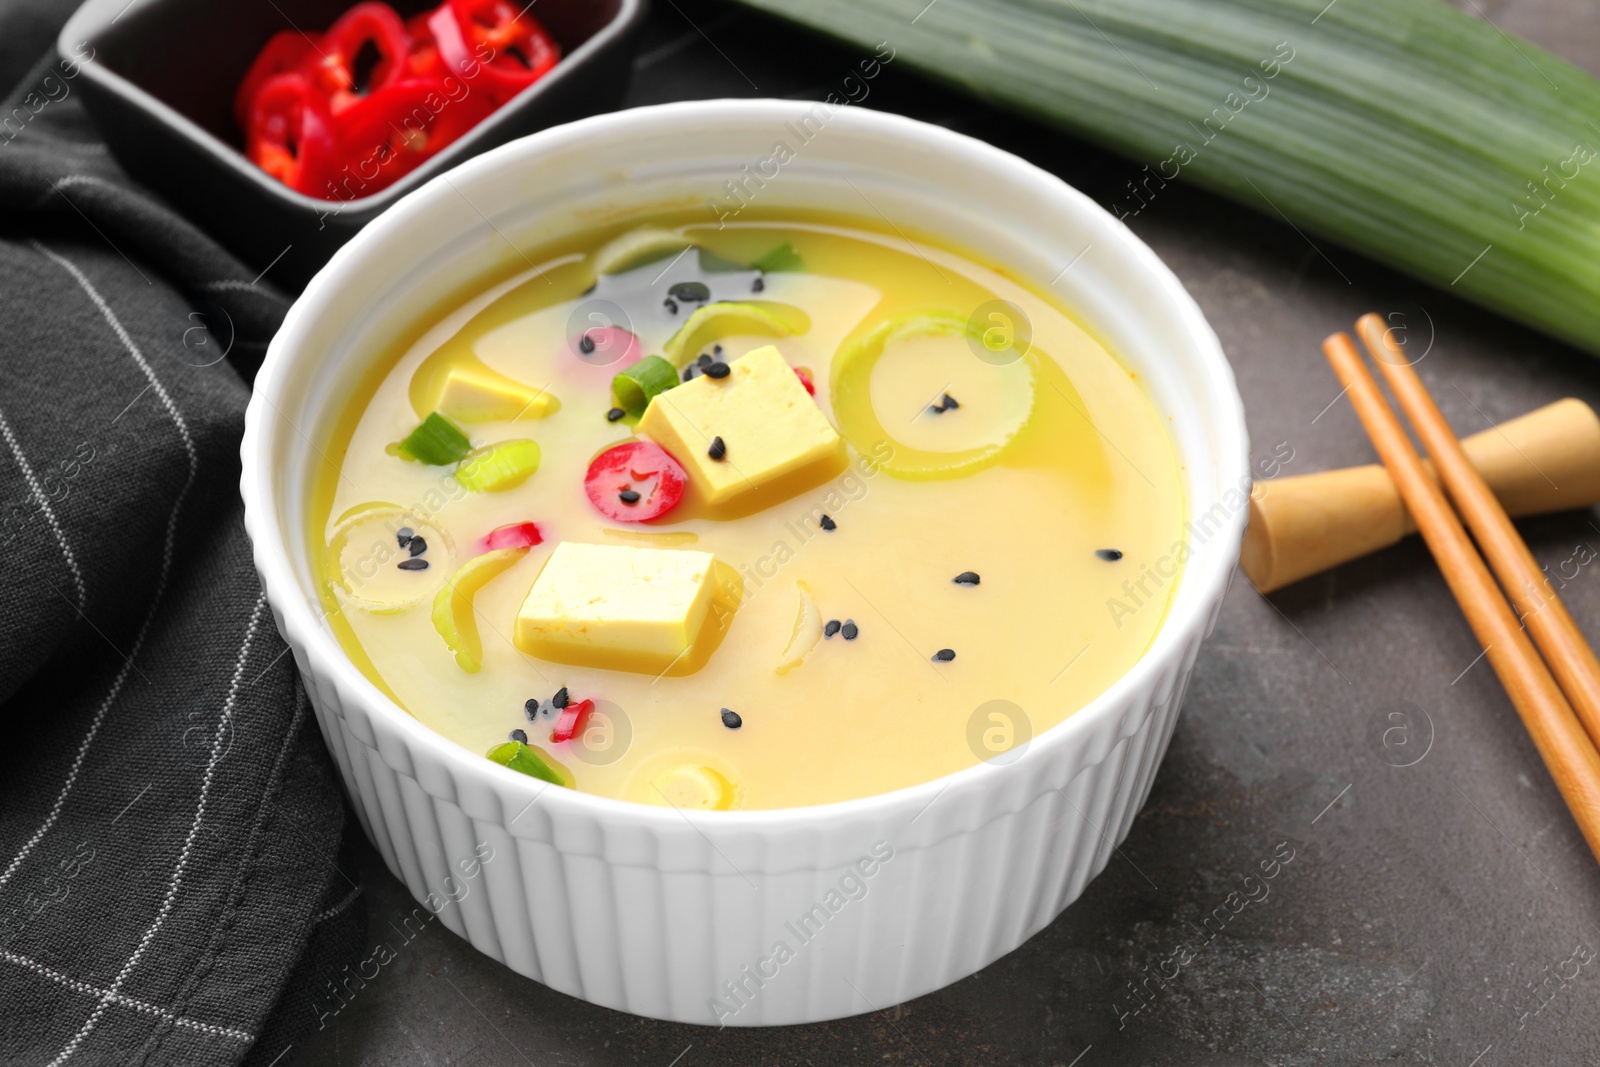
(637, 247)
(695, 787)
(728, 318)
(807, 631)
(453, 611)
(854, 409)
(366, 554)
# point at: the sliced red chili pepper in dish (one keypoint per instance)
(634, 482)
(512, 535)
(424, 60)
(365, 51)
(494, 44)
(389, 133)
(389, 92)
(572, 720)
(284, 51)
(290, 135)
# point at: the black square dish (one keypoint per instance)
(163, 75)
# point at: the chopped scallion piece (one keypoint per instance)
(711, 263)
(781, 258)
(530, 761)
(501, 466)
(635, 387)
(437, 442)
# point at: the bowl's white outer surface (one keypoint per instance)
(656, 911)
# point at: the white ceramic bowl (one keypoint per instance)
(679, 916)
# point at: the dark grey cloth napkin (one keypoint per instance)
(170, 884)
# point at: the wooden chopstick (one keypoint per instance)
(1567, 654)
(1565, 748)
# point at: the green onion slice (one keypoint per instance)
(500, 466)
(437, 442)
(711, 263)
(530, 761)
(636, 386)
(781, 258)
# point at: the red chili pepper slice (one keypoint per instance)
(641, 467)
(283, 52)
(417, 28)
(424, 60)
(338, 66)
(805, 380)
(290, 135)
(495, 43)
(392, 131)
(572, 720)
(512, 535)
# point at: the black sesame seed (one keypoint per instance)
(692, 371)
(966, 578)
(944, 655)
(831, 628)
(614, 414)
(716, 350)
(561, 699)
(718, 449)
(757, 286)
(629, 496)
(586, 344)
(827, 523)
(690, 292)
(717, 369)
(519, 735)
(731, 719)
(530, 708)
(413, 564)
(850, 630)
(418, 546)
(1110, 555)
(404, 535)
(706, 358)
(949, 402)
(671, 305)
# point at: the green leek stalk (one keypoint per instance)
(1404, 129)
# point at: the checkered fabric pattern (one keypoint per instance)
(170, 883)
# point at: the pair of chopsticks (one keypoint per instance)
(1557, 694)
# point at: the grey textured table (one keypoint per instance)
(1443, 912)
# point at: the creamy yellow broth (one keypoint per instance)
(1051, 625)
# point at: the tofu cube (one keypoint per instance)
(617, 607)
(767, 421)
(474, 392)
